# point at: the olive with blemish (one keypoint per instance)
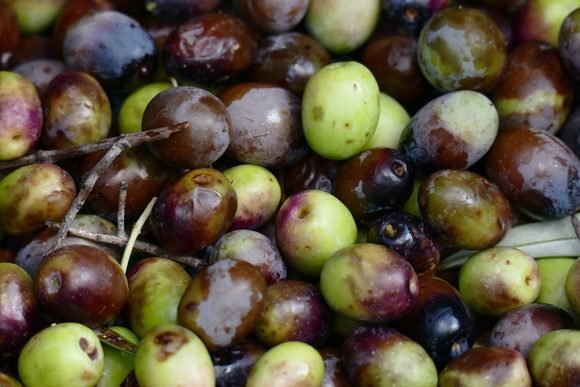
(293, 311)
(380, 356)
(194, 211)
(233, 364)
(209, 48)
(554, 360)
(411, 237)
(156, 286)
(462, 48)
(288, 60)
(223, 302)
(411, 15)
(76, 111)
(466, 209)
(82, 284)
(487, 366)
(171, 355)
(40, 72)
(266, 128)
(369, 282)
(535, 90)
(374, 182)
(537, 171)
(521, 327)
(65, 354)
(32, 194)
(454, 130)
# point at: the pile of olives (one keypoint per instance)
(258, 192)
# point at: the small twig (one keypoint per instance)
(121, 211)
(121, 144)
(54, 155)
(143, 247)
(135, 231)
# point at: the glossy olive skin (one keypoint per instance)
(266, 124)
(209, 48)
(535, 90)
(293, 311)
(76, 111)
(111, 32)
(504, 6)
(376, 355)
(82, 284)
(232, 365)
(18, 311)
(223, 302)
(569, 43)
(194, 211)
(145, 177)
(517, 164)
(411, 237)
(311, 172)
(462, 48)
(273, 16)
(205, 139)
(465, 208)
(440, 321)
(288, 60)
(521, 327)
(156, 286)
(487, 366)
(373, 182)
(392, 59)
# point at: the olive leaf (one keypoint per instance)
(110, 337)
(552, 238)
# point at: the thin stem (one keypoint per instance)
(121, 211)
(135, 231)
(54, 155)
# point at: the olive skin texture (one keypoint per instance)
(535, 90)
(194, 211)
(188, 55)
(374, 182)
(458, 204)
(206, 138)
(462, 48)
(454, 130)
(537, 171)
(553, 359)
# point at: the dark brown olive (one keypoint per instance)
(535, 90)
(144, 175)
(266, 124)
(537, 171)
(288, 60)
(9, 34)
(232, 365)
(223, 302)
(205, 139)
(393, 61)
(209, 48)
(311, 172)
